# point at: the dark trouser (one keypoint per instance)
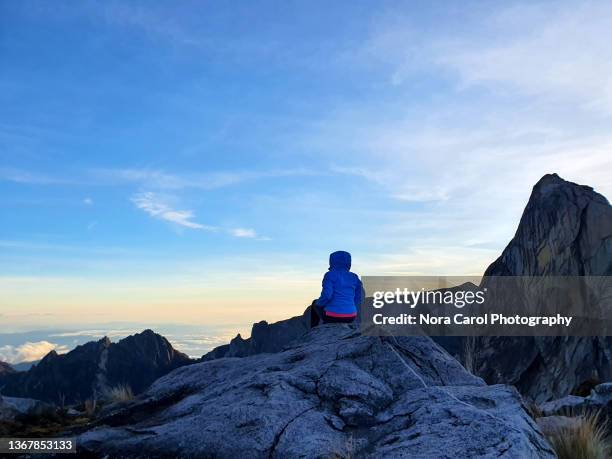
(317, 315)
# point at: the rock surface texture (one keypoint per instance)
(335, 393)
(565, 230)
(91, 369)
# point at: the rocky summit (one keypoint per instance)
(89, 370)
(565, 230)
(334, 393)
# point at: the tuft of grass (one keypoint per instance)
(120, 394)
(90, 407)
(587, 440)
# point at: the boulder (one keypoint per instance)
(334, 393)
(599, 400)
(568, 405)
(14, 408)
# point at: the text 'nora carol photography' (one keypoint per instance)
(462, 319)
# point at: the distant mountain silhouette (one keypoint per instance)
(265, 337)
(91, 369)
(5, 369)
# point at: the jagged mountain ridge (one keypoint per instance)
(92, 368)
(264, 337)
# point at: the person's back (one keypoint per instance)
(342, 291)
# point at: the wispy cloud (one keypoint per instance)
(388, 179)
(160, 179)
(421, 195)
(554, 51)
(157, 207)
(154, 205)
(559, 52)
(152, 178)
(31, 178)
(28, 352)
(88, 201)
(243, 232)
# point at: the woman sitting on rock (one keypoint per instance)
(341, 294)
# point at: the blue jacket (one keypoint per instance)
(341, 288)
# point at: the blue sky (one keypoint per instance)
(195, 162)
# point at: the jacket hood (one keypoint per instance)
(340, 260)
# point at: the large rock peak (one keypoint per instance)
(565, 230)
